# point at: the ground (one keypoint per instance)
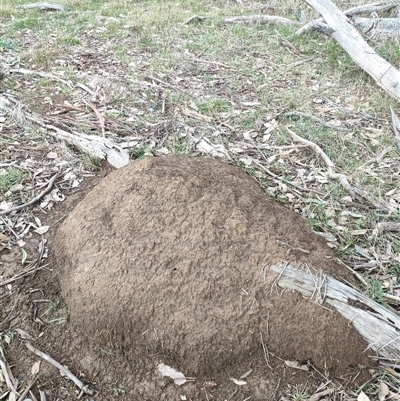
(142, 77)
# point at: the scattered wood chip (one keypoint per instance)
(297, 365)
(178, 377)
(238, 382)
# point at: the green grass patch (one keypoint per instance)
(9, 177)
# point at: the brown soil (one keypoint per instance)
(163, 262)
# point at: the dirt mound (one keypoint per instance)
(167, 256)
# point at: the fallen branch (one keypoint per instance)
(260, 19)
(95, 146)
(331, 169)
(338, 27)
(365, 9)
(379, 326)
(62, 368)
(46, 6)
(378, 27)
(34, 200)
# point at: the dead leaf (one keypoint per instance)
(3, 237)
(52, 155)
(35, 368)
(362, 397)
(238, 382)
(383, 391)
(42, 230)
(24, 256)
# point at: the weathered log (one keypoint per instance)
(379, 326)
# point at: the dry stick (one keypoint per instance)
(197, 60)
(88, 90)
(261, 19)
(26, 391)
(265, 349)
(194, 18)
(396, 126)
(34, 200)
(23, 71)
(100, 117)
(42, 395)
(286, 181)
(31, 269)
(317, 396)
(331, 169)
(62, 368)
(318, 120)
(6, 371)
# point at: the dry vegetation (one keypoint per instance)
(136, 73)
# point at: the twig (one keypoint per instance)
(23, 71)
(286, 181)
(265, 350)
(34, 200)
(26, 391)
(396, 126)
(162, 82)
(194, 18)
(392, 299)
(26, 272)
(88, 90)
(317, 396)
(62, 368)
(311, 117)
(197, 60)
(6, 371)
(331, 169)
(100, 117)
(42, 395)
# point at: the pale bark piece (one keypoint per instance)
(379, 326)
(103, 148)
(339, 28)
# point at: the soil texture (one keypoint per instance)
(164, 262)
